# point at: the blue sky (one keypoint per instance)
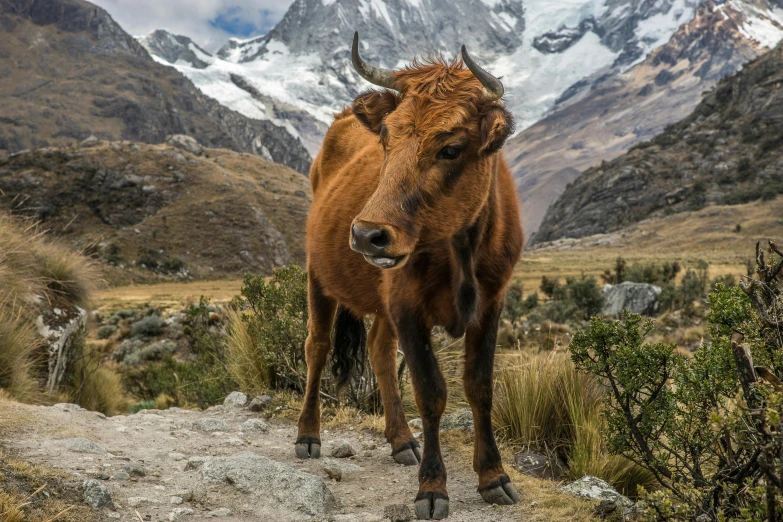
(208, 22)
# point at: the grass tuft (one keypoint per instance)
(546, 404)
(246, 362)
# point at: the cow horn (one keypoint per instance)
(375, 75)
(493, 88)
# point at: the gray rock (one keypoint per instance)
(343, 449)
(397, 513)
(271, 483)
(96, 495)
(219, 513)
(461, 419)
(538, 465)
(254, 426)
(67, 406)
(176, 500)
(593, 488)
(92, 141)
(134, 469)
(259, 403)
(122, 475)
(235, 400)
(80, 445)
(639, 298)
(140, 501)
(179, 513)
(334, 473)
(185, 143)
(194, 463)
(210, 425)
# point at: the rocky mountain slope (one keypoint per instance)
(170, 211)
(300, 71)
(69, 71)
(600, 118)
(728, 150)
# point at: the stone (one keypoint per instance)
(334, 473)
(122, 475)
(134, 469)
(538, 465)
(179, 513)
(254, 426)
(176, 500)
(80, 445)
(218, 513)
(140, 501)
(66, 406)
(235, 400)
(96, 495)
(210, 425)
(270, 483)
(343, 449)
(185, 143)
(639, 298)
(461, 419)
(91, 141)
(194, 463)
(593, 488)
(259, 403)
(397, 513)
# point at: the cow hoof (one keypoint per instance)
(431, 506)
(501, 492)
(308, 448)
(409, 454)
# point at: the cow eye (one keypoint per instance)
(450, 152)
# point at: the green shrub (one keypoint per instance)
(202, 380)
(706, 426)
(106, 331)
(515, 301)
(150, 326)
(653, 274)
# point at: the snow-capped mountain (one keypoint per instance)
(300, 71)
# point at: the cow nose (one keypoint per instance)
(370, 241)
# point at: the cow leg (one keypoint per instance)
(383, 357)
(432, 501)
(317, 345)
(480, 339)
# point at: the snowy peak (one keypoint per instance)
(175, 49)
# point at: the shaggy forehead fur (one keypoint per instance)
(436, 97)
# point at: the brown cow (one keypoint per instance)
(415, 221)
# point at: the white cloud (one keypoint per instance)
(208, 22)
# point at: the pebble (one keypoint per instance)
(259, 403)
(220, 512)
(177, 500)
(121, 475)
(397, 513)
(343, 449)
(134, 469)
(334, 473)
(235, 400)
(254, 426)
(210, 425)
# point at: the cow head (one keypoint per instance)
(440, 126)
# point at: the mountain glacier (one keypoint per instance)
(299, 73)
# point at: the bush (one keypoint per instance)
(150, 326)
(515, 304)
(97, 387)
(578, 299)
(706, 426)
(548, 405)
(200, 381)
(653, 274)
(106, 331)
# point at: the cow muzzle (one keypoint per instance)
(376, 244)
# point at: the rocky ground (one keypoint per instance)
(229, 463)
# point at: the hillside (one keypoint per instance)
(69, 71)
(156, 211)
(729, 150)
(601, 118)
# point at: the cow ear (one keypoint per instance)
(370, 108)
(497, 124)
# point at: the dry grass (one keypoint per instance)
(543, 402)
(31, 493)
(97, 387)
(247, 364)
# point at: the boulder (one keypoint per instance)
(639, 298)
(235, 400)
(343, 449)
(80, 445)
(96, 495)
(185, 143)
(270, 483)
(593, 488)
(91, 141)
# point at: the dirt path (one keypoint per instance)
(164, 443)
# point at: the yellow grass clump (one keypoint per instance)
(246, 362)
(546, 404)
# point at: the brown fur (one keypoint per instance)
(457, 221)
